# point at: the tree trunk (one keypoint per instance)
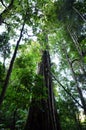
(10, 68)
(13, 125)
(42, 114)
(77, 84)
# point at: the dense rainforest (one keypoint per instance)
(42, 64)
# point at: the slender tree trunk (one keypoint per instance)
(10, 68)
(77, 84)
(77, 46)
(42, 114)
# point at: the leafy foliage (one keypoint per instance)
(59, 25)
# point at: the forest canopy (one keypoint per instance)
(42, 64)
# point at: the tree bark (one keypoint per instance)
(42, 114)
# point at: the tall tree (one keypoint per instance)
(42, 114)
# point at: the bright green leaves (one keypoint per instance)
(26, 64)
(50, 16)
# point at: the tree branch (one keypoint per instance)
(65, 89)
(3, 4)
(5, 11)
(79, 14)
(8, 8)
(77, 45)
